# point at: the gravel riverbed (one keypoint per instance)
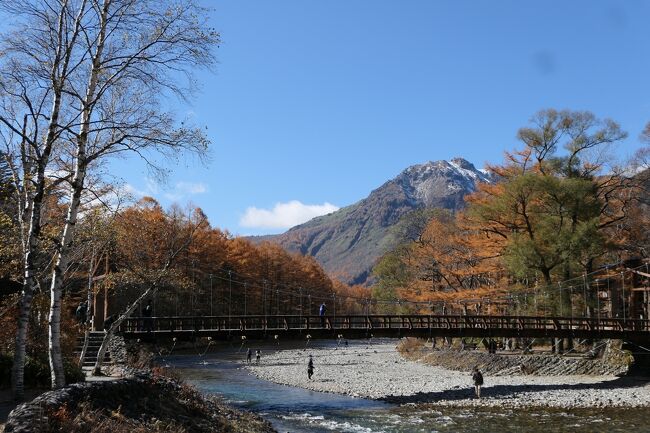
(378, 371)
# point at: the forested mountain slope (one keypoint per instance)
(348, 242)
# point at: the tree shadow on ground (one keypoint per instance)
(510, 391)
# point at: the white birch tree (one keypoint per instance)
(136, 49)
(113, 63)
(36, 62)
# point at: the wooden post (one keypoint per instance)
(94, 321)
(105, 303)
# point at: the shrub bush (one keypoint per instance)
(73, 372)
(6, 362)
(37, 371)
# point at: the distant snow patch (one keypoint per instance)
(284, 215)
(469, 174)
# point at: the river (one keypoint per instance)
(296, 410)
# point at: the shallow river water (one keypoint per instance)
(296, 410)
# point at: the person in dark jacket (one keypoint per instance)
(310, 367)
(249, 356)
(109, 321)
(146, 313)
(80, 312)
(477, 377)
(321, 312)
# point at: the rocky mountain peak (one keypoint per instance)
(426, 184)
(462, 163)
(349, 241)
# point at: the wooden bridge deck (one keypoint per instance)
(364, 326)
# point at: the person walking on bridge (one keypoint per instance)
(321, 313)
(477, 377)
(146, 313)
(80, 312)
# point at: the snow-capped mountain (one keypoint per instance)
(349, 241)
(434, 184)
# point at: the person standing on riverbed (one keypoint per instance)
(249, 355)
(258, 354)
(477, 377)
(310, 367)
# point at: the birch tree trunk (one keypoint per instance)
(76, 189)
(35, 158)
(31, 244)
(62, 258)
(29, 283)
(29, 286)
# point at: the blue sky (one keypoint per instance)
(316, 103)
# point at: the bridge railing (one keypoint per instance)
(369, 322)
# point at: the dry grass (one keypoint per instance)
(86, 419)
(410, 345)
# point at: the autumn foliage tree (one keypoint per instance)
(557, 206)
(446, 261)
(215, 273)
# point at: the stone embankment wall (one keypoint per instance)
(131, 404)
(117, 349)
(614, 361)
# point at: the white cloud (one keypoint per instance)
(133, 191)
(191, 188)
(180, 191)
(183, 189)
(151, 187)
(284, 215)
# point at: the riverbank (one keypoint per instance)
(138, 404)
(378, 371)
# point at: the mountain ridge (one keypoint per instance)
(348, 242)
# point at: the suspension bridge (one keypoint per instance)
(366, 326)
(608, 304)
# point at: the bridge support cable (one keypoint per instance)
(540, 300)
(229, 296)
(264, 302)
(300, 291)
(609, 295)
(334, 308)
(584, 297)
(245, 299)
(598, 305)
(211, 300)
(623, 289)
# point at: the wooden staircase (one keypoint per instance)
(94, 342)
